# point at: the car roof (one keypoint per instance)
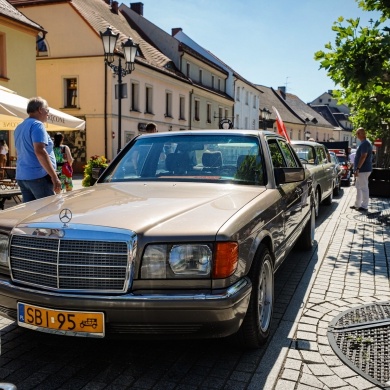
(309, 143)
(211, 131)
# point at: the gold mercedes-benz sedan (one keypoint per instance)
(181, 236)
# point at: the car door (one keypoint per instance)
(327, 175)
(292, 195)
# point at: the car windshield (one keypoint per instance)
(190, 157)
(305, 152)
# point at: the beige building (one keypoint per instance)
(72, 76)
(301, 121)
(17, 58)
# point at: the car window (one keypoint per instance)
(198, 157)
(276, 154)
(289, 156)
(322, 157)
(305, 152)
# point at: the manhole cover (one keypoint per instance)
(377, 218)
(360, 337)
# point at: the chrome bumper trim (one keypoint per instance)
(228, 293)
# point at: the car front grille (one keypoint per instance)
(71, 264)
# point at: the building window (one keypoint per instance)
(291, 134)
(182, 102)
(212, 81)
(70, 93)
(168, 104)
(149, 100)
(237, 121)
(226, 114)
(220, 113)
(200, 76)
(238, 94)
(134, 97)
(320, 100)
(208, 112)
(197, 110)
(247, 98)
(3, 57)
(246, 123)
(299, 134)
(41, 46)
(219, 84)
(188, 69)
(254, 101)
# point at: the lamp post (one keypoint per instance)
(264, 116)
(129, 48)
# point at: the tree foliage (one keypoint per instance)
(359, 64)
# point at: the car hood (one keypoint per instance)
(146, 208)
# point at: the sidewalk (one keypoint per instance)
(352, 271)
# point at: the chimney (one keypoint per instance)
(137, 8)
(114, 7)
(176, 30)
(282, 89)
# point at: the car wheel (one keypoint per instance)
(337, 188)
(254, 330)
(317, 202)
(329, 199)
(306, 239)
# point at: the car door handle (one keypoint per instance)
(299, 191)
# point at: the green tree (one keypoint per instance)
(359, 64)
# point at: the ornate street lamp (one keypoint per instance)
(265, 115)
(129, 48)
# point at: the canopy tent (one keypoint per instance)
(13, 109)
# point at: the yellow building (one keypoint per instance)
(17, 57)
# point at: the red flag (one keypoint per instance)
(280, 125)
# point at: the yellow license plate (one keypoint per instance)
(61, 321)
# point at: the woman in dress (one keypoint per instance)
(63, 156)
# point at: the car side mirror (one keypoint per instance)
(289, 175)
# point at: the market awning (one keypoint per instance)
(13, 109)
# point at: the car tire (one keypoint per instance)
(317, 202)
(337, 188)
(329, 199)
(306, 239)
(254, 330)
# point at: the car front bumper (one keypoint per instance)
(177, 314)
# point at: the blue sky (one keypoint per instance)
(268, 42)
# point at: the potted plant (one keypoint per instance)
(95, 163)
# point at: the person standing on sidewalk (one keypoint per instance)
(362, 170)
(36, 168)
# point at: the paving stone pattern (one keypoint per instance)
(354, 271)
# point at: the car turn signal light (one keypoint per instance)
(226, 259)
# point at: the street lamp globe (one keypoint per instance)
(130, 50)
(109, 43)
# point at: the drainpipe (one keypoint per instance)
(190, 110)
(105, 110)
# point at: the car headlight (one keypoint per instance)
(4, 243)
(189, 261)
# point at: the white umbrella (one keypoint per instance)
(13, 109)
